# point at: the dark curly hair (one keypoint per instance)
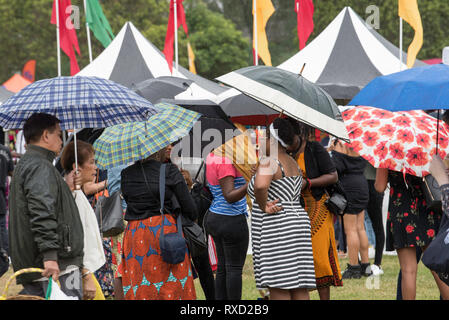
(285, 130)
(303, 130)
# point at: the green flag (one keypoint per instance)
(98, 22)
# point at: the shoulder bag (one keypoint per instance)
(337, 202)
(173, 245)
(432, 192)
(109, 213)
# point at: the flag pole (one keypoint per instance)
(256, 54)
(58, 40)
(400, 42)
(89, 43)
(176, 35)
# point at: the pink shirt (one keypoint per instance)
(219, 167)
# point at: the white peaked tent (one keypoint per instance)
(346, 56)
(131, 58)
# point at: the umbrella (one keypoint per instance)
(212, 129)
(127, 142)
(78, 102)
(161, 87)
(423, 88)
(399, 141)
(290, 94)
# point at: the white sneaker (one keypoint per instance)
(376, 270)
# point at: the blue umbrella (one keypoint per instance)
(422, 88)
(78, 102)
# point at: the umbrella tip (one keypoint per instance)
(302, 69)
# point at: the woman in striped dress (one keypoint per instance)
(280, 227)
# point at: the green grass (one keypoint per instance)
(354, 289)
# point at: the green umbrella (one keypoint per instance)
(128, 142)
(290, 94)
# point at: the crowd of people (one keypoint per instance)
(295, 237)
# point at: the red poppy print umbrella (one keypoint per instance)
(401, 141)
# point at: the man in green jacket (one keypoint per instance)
(45, 229)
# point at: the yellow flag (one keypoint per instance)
(191, 58)
(262, 11)
(408, 10)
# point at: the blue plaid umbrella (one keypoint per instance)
(78, 102)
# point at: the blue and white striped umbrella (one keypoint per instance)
(78, 102)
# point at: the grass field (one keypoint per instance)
(384, 288)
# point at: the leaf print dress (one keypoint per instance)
(409, 222)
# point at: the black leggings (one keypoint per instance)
(231, 237)
(375, 214)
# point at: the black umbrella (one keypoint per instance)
(161, 87)
(212, 130)
(5, 94)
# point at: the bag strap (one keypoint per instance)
(199, 170)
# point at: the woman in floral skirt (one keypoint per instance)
(410, 225)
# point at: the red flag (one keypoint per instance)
(67, 33)
(304, 10)
(170, 36)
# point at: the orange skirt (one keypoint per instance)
(145, 275)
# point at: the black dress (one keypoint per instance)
(351, 176)
(409, 222)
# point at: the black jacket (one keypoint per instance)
(44, 219)
(142, 203)
(318, 162)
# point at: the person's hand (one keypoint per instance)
(438, 170)
(89, 288)
(51, 269)
(77, 180)
(253, 170)
(273, 207)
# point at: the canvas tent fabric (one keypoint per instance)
(346, 56)
(131, 58)
(5, 94)
(16, 83)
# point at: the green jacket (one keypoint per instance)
(44, 220)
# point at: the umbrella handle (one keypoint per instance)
(438, 131)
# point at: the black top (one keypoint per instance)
(143, 204)
(351, 175)
(6, 166)
(317, 162)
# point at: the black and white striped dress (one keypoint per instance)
(281, 242)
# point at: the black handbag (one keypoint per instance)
(436, 256)
(173, 245)
(109, 213)
(432, 192)
(337, 201)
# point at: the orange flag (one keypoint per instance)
(29, 70)
(409, 11)
(262, 11)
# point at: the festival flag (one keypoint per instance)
(191, 55)
(409, 11)
(98, 23)
(304, 10)
(170, 36)
(29, 70)
(262, 11)
(67, 33)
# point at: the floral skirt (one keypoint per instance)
(105, 274)
(145, 275)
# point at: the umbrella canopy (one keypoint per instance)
(424, 88)
(346, 56)
(400, 141)
(162, 87)
(290, 94)
(244, 109)
(5, 94)
(127, 142)
(78, 102)
(211, 130)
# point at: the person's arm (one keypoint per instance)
(91, 188)
(40, 188)
(182, 193)
(262, 182)
(230, 194)
(439, 172)
(381, 180)
(326, 166)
